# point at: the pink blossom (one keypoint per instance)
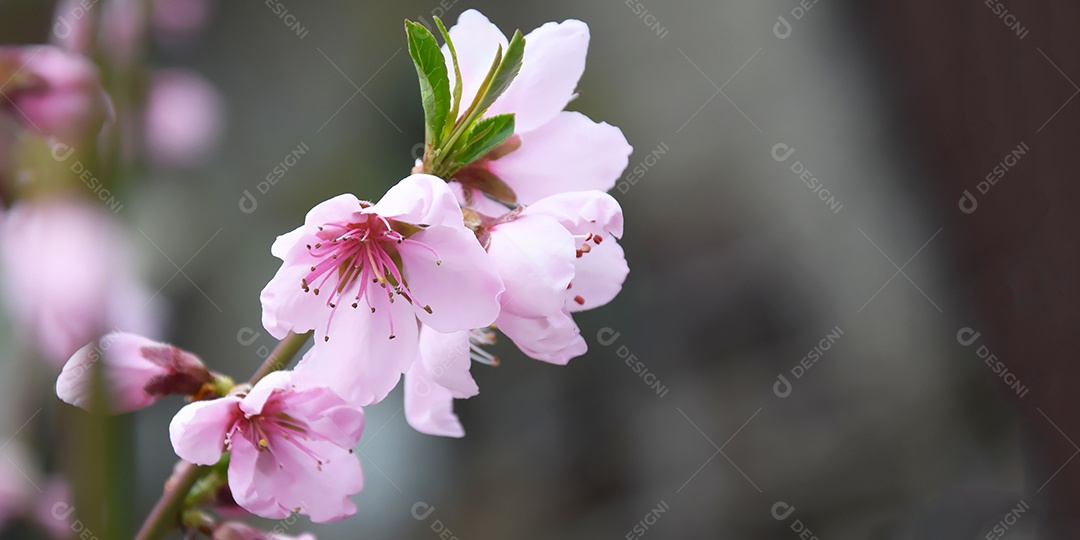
(67, 277)
(233, 530)
(556, 257)
(184, 118)
(52, 92)
(137, 371)
(559, 150)
(291, 446)
(177, 21)
(360, 275)
(123, 30)
(73, 27)
(439, 375)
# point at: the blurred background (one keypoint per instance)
(841, 321)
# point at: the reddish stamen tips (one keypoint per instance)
(597, 239)
(585, 248)
(325, 339)
(579, 300)
(392, 336)
(427, 309)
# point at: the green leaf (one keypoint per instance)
(507, 70)
(484, 137)
(434, 81)
(456, 107)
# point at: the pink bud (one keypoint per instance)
(53, 93)
(184, 115)
(179, 21)
(136, 371)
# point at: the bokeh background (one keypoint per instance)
(691, 416)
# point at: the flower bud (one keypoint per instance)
(184, 118)
(136, 372)
(53, 93)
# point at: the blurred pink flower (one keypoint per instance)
(559, 150)
(291, 446)
(67, 277)
(53, 509)
(179, 21)
(73, 27)
(137, 371)
(184, 118)
(123, 30)
(53, 93)
(233, 530)
(554, 260)
(359, 275)
(439, 375)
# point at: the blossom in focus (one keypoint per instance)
(233, 530)
(67, 278)
(553, 150)
(136, 371)
(360, 275)
(291, 445)
(556, 257)
(439, 375)
(184, 115)
(53, 93)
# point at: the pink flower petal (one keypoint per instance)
(582, 212)
(273, 484)
(429, 408)
(598, 277)
(360, 361)
(553, 63)
(339, 208)
(420, 199)
(476, 41)
(569, 153)
(534, 255)
(198, 430)
(445, 360)
(555, 339)
(462, 290)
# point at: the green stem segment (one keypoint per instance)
(166, 513)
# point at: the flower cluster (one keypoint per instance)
(503, 226)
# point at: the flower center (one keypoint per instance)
(352, 255)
